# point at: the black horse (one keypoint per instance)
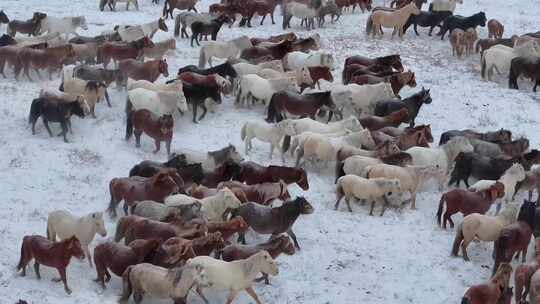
(197, 94)
(54, 112)
(212, 27)
(224, 70)
(528, 66)
(412, 104)
(7, 40)
(456, 21)
(427, 19)
(148, 168)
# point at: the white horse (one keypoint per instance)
(296, 60)
(65, 25)
(175, 86)
(498, 57)
(160, 212)
(52, 40)
(300, 11)
(254, 86)
(136, 32)
(364, 97)
(159, 103)
(224, 50)
(442, 156)
(244, 68)
(309, 125)
(263, 131)
(299, 140)
(482, 227)
(215, 207)
(112, 4)
(302, 75)
(444, 5)
(65, 225)
(528, 49)
(235, 276)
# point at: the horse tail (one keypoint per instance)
(477, 48)
(112, 204)
(129, 118)
(369, 25)
(119, 233)
(35, 110)
(339, 168)
(439, 211)
(458, 239)
(177, 26)
(127, 287)
(21, 260)
(272, 112)
(300, 154)
(512, 78)
(243, 131)
(202, 57)
(483, 64)
(286, 143)
(165, 8)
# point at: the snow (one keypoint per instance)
(402, 257)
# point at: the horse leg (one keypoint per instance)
(241, 238)
(372, 207)
(204, 111)
(63, 278)
(63, 125)
(252, 293)
(464, 245)
(46, 123)
(293, 237)
(158, 146)
(262, 20)
(272, 17)
(415, 26)
(271, 150)
(36, 269)
(524, 255)
(87, 254)
(498, 208)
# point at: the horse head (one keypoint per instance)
(163, 181)
(73, 247)
(162, 25)
(99, 224)
(163, 67)
(166, 124)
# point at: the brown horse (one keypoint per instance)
(178, 4)
(275, 246)
(484, 44)
(176, 251)
(491, 291)
(306, 44)
(515, 237)
(133, 227)
(277, 51)
(526, 66)
(149, 70)
(49, 253)
(392, 61)
(160, 128)
(495, 29)
(467, 202)
(118, 51)
(201, 192)
(298, 104)
(393, 119)
(277, 38)
(263, 193)
(419, 136)
(51, 59)
(320, 72)
(30, 26)
(397, 81)
(117, 257)
(228, 228)
(252, 7)
(524, 272)
(253, 173)
(136, 188)
(356, 69)
(213, 81)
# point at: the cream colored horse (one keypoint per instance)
(235, 276)
(395, 19)
(215, 207)
(65, 225)
(483, 227)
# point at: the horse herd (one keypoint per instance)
(181, 215)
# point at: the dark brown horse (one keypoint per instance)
(263, 193)
(529, 67)
(117, 257)
(210, 81)
(277, 38)
(136, 188)
(7, 40)
(393, 61)
(118, 51)
(266, 220)
(320, 72)
(3, 18)
(397, 81)
(160, 128)
(203, 191)
(133, 227)
(418, 136)
(412, 104)
(176, 250)
(225, 172)
(275, 246)
(277, 51)
(499, 136)
(524, 272)
(491, 292)
(178, 4)
(212, 27)
(51, 59)
(149, 70)
(393, 119)
(253, 173)
(30, 26)
(228, 228)
(49, 253)
(306, 44)
(467, 202)
(298, 104)
(515, 237)
(356, 69)
(52, 111)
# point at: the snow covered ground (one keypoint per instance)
(402, 257)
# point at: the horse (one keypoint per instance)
(224, 70)
(133, 227)
(302, 11)
(253, 173)
(426, 19)
(264, 132)
(112, 4)
(393, 119)
(7, 40)
(469, 39)
(31, 27)
(467, 202)
(227, 228)
(159, 212)
(175, 248)
(235, 276)
(227, 50)
(149, 70)
(213, 81)
(178, 4)
(330, 8)
(199, 28)
(457, 41)
(90, 73)
(3, 17)
(160, 49)
(498, 57)
(528, 66)
(373, 190)
(65, 25)
(159, 103)
(492, 291)
(495, 29)
(514, 148)
(499, 136)
(51, 59)
(297, 104)
(184, 20)
(391, 61)
(116, 52)
(444, 5)
(214, 207)
(277, 38)
(148, 168)
(132, 189)
(413, 104)
(275, 246)
(247, 9)
(130, 33)
(262, 194)
(357, 164)
(147, 279)
(482, 227)
(65, 225)
(277, 51)
(408, 138)
(463, 23)
(196, 95)
(531, 182)
(395, 19)
(53, 112)
(524, 273)
(296, 60)
(212, 159)
(259, 88)
(485, 44)
(160, 128)
(49, 253)
(397, 81)
(227, 171)
(515, 237)
(277, 220)
(116, 258)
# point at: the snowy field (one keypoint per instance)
(402, 257)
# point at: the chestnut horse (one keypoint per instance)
(118, 51)
(467, 202)
(133, 227)
(51, 59)
(515, 237)
(117, 257)
(228, 228)
(277, 51)
(397, 81)
(160, 128)
(149, 70)
(393, 119)
(392, 61)
(492, 291)
(30, 26)
(529, 67)
(136, 188)
(253, 173)
(298, 104)
(213, 81)
(524, 272)
(278, 38)
(320, 72)
(49, 253)
(263, 193)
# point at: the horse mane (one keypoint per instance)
(175, 275)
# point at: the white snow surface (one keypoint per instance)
(402, 257)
